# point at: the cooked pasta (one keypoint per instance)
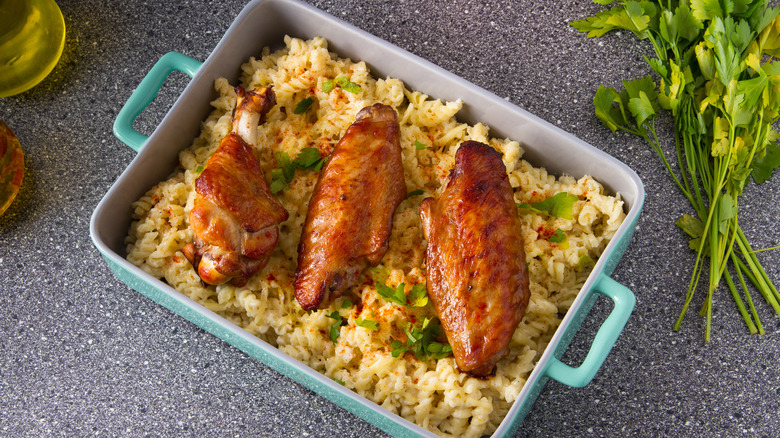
(431, 393)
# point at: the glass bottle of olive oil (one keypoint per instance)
(32, 35)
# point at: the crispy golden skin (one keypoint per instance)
(235, 216)
(350, 214)
(475, 262)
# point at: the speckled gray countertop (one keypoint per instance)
(83, 354)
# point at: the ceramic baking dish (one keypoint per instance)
(265, 23)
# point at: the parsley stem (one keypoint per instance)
(660, 153)
(684, 175)
(758, 279)
(750, 255)
(747, 293)
(740, 304)
(765, 249)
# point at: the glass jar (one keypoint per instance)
(32, 35)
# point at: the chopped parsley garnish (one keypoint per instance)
(414, 193)
(283, 174)
(336, 326)
(347, 85)
(421, 341)
(278, 185)
(346, 304)
(584, 262)
(418, 296)
(328, 85)
(340, 382)
(559, 205)
(199, 169)
(342, 82)
(310, 159)
(367, 323)
(379, 273)
(560, 238)
(303, 105)
(419, 145)
(396, 295)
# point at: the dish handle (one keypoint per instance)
(146, 91)
(605, 338)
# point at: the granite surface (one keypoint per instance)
(83, 354)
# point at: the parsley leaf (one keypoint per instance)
(278, 185)
(419, 145)
(691, 226)
(559, 205)
(309, 158)
(199, 169)
(398, 348)
(395, 295)
(560, 238)
(414, 193)
(303, 105)
(421, 340)
(584, 262)
(632, 16)
(642, 108)
(418, 297)
(328, 85)
(342, 82)
(347, 85)
(379, 273)
(283, 174)
(367, 324)
(335, 328)
(438, 350)
(605, 111)
(764, 166)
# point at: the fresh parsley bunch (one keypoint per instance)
(717, 75)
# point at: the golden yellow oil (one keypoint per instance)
(32, 35)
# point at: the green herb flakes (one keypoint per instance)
(342, 82)
(559, 237)
(328, 85)
(395, 295)
(303, 105)
(421, 340)
(559, 205)
(335, 328)
(283, 174)
(347, 85)
(367, 324)
(414, 193)
(418, 296)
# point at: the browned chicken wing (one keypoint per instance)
(351, 210)
(235, 216)
(476, 269)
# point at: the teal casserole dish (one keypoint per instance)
(265, 23)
